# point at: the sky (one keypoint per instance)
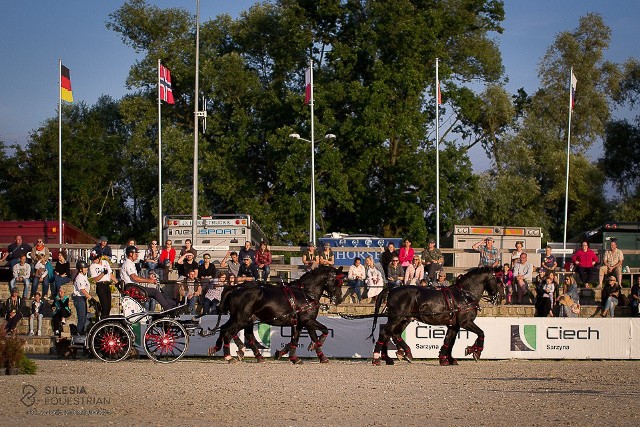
(35, 34)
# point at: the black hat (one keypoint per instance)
(131, 249)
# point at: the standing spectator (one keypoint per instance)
(569, 302)
(544, 303)
(507, 283)
(548, 261)
(263, 261)
(103, 248)
(326, 257)
(387, 256)
(81, 294)
(414, 273)
(612, 263)
(129, 275)
(442, 280)
(40, 249)
(186, 263)
(310, 257)
(38, 307)
(232, 264)
(248, 271)
(406, 254)
(61, 311)
(635, 297)
(189, 290)
(515, 254)
(15, 251)
(612, 299)
(12, 312)
(100, 271)
(585, 261)
(188, 247)
(372, 279)
(167, 258)
(41, 275)
(247, 250)
(21, 274)
(152, 257)
(356, 280)
(522, 273)
(433, 260)
(61, 273)
(489, 256)
(395, 273)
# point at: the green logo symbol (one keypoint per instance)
(523, 338)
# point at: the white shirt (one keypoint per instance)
(96, 270)
(81, 282)
(525, 270)
(128, 268)
(356, 272)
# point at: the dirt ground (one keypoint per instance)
(341, 393)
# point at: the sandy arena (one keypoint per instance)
(341, 393)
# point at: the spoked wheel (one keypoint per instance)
(110, 342)
(166, 340)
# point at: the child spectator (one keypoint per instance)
(37, 312)
(61, 311)
(41, 275)
(507, 283)
(21, 274)
(13, 315)
(544, 303)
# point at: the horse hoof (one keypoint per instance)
(468, 351)
(240, 354)
(311, 347)
(296, 360)
(324, 359)
(260, 359)
(212, 351)
(400, 354)
(277, 355)
(376, 362)
(231, 361)
(389, 361)
(476, 355)
(452, 361)
(444, 361)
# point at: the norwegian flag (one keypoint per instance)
(164, 85)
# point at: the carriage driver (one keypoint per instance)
(129, 275)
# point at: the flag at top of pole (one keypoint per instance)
(65, 84)
(308, 83)
(574, 82)
(164, 84)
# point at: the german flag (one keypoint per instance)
(65, 84)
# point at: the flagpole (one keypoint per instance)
(194, 224)
(59, 151)
(312, 220)
(437, 157)
(159, 162)
(566, 188)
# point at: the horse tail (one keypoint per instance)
(381, 297)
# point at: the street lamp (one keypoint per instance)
(312, 217)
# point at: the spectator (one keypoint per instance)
(186, 263)
(442, 281)
(15, 251)
(310, 257)
(433, 260)
(612, 299)
(38, 307)
(12, 312)
(263, 261)
(40, 249)
(248, 271)
(522, 273)
(189, 290)
(507, 283)
(212, 291)
(544, 303)
(152, 257)
(548, 261)
(414, 272)
(21, 274)
(356, 277)
(569, 302)
(167, 258)
(387, 256)
(138, 263)
(635, 297)
(515, 254)
(129, 275)
(61, 273)
(489, 256)
(372, 279)
(585, 261)
(81, 294)
(326, 257)
(395, 273)
(612, 263)
(232, 264)
(206, 270)
(406, 254)
(103, 249)
(61, 311)
(41, 274)
(188, 247)
(247, 250)
(100, 271)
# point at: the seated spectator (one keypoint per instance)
(522, 273)
(188, 292)
(188, 247)
(414, 272)
(21, 275)
(355, 279)
(507, 283)
(206, 270)
(406, 254)
(247, 250)
(248, 271)
(167, 258)
(263, 261)
(212, 291)
(569, 301)
(326, 257)
(433, 260)
(544, 302)
(38, 308)
(395, 273)
(61, 311)
(372, 279)
(548, 262)
(585, 261)
(12, 312)
(310, 257)
(635, 297)
(41, 275)
(515, 254)
(61, 273)
(38, 250)
(152, 257)
(186, 263)
(232, 264)
(15, 251)
(103, 249)
(387, 256)
(442, 280)
(612, 298)
(612, 263)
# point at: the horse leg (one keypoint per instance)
(294, 345)
(404, 351)
(381, 344)
(316, 343)
(478, 345)
(445, 352)
(250, 339)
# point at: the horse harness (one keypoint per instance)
(467, 304)
(295, 307)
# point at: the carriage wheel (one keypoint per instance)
(166, 340)
(110, 342)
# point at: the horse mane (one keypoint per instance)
(472, 275)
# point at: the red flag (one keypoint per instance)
(307, 85)
(166, 93)
(439, 94)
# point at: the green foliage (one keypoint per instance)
(11, 349)
(27, 366)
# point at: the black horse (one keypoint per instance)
(295, 304)
(455, 306)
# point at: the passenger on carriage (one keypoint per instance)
(129, 275)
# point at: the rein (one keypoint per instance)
(468, 303)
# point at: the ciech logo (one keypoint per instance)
(564, 336)
(431, 337)
(523, 337)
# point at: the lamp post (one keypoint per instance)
(312, 218)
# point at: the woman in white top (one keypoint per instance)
(373, 278)
(356, 279)
(81, 294)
